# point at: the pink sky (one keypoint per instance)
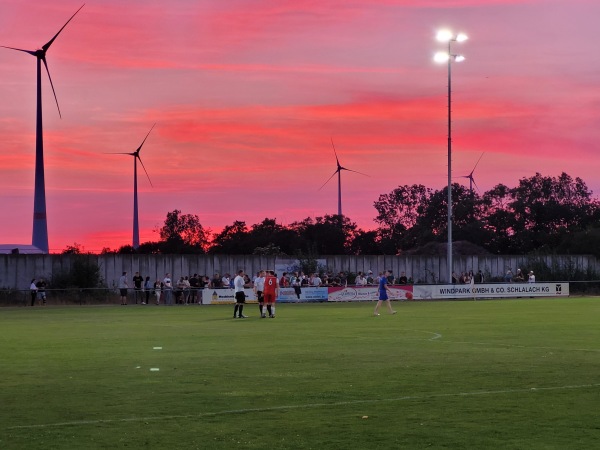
(247, 94)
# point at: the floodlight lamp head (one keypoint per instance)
(444, 35)
(459, 58)
(461, 37)
(441, 57)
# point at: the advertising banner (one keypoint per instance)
(367, 293)
(224, 296)
(286, 295)
(307, 294)
(504, 290)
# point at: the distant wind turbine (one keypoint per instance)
(470, 176)
(136, 157)
(338, 171)
(40, 225)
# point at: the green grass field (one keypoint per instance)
(510, 374)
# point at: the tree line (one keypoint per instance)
(541, 214)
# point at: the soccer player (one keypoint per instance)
(383, 297)
(240, 295)
(271, 292)
(259, 287)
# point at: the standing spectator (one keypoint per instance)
(343, 279)
(315, 280)
(147, 290)
(168, 289)
(216, 281)
(179, 290)
(404, 280)
(360, 280)
(531, 277)
(297, 284)
(240, 295)
(519, 278)
(33, 291)
(370, 279)
(194, 286)
(509, 276)
(479, 277)
(137, 286)
(226, 281)
(284, 282)
(390, 276)
(186, 290)
(123, 286)
(383, 294)
(158, 287)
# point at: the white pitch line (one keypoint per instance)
(307, 406)
(500, 344)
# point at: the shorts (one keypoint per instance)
(260, 297)
(240, 297)
(383, 296)
(269, 298)
(123, 292)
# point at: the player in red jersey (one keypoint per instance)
(271, 291)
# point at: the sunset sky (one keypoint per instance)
(247, 95)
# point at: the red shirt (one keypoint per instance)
(270, 284)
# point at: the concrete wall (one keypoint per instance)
(16, 271)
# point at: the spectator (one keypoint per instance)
(403, 279)
(123, 286)
(33, 290)
(137, 286)
(531, 277)
(147, 290)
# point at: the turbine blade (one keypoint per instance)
(473, 180)
(118, 153)
(328, 179)
(335, 153)
(51, 84)
(360, 173)
(477, 163)
(140, 159)
(140, 147)
(46, 46)
(19, 49)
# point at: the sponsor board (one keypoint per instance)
(286, 295)
(505, 290)
(224, 296)
(307, 294)
(367, 293)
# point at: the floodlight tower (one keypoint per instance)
(449, 57)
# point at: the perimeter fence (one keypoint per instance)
(111, 296)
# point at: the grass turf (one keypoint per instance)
(511, 374)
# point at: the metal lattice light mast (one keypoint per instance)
(449, 57)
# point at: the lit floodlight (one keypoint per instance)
(441, 57)
(459, 58)
(444, 35)
(461, 37)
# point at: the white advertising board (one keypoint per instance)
(505, 290)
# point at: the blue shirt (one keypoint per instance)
(382, 290)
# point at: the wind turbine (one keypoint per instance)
(470, 176)
(136, 157)
(40, 225)
(339, 174)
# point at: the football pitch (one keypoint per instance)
(510, 374)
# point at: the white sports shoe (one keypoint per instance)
(376, 314)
